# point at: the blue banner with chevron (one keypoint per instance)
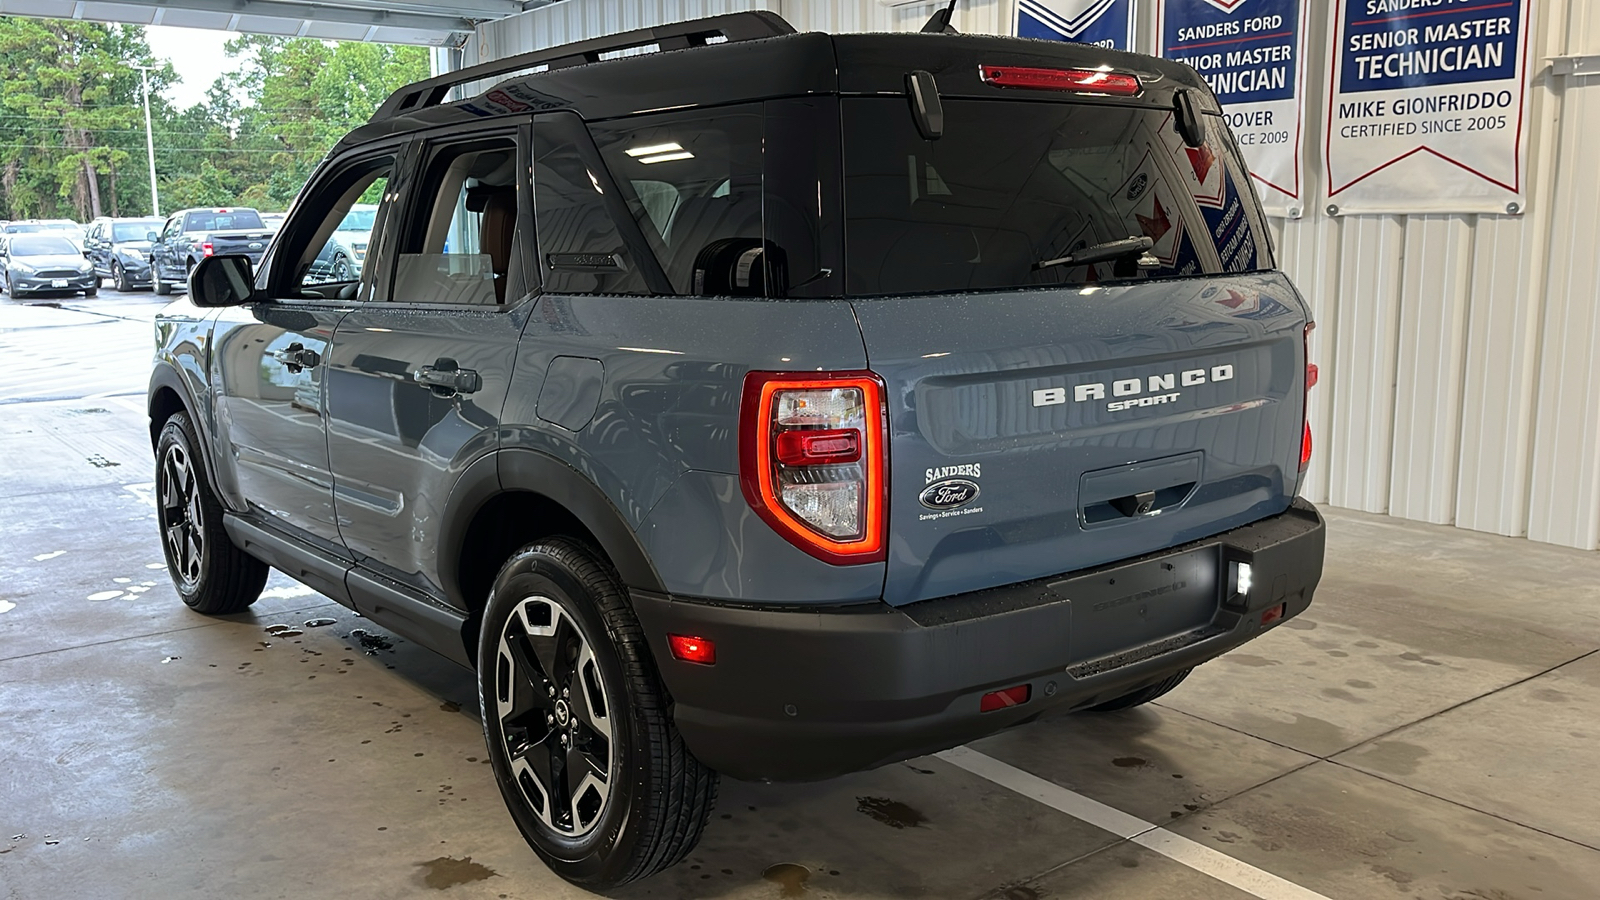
(1104, 23)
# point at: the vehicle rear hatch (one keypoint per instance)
(249, 242)
(1049, 419)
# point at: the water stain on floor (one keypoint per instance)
(789, 877)
(1130, 762)
(892, 813)
(447, 872)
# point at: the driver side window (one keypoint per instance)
(331, 253)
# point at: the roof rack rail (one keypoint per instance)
(740, 26)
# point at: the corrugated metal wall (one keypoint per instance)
(1460, 354)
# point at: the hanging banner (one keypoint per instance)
(1252, 53)
(1425, 114)
(1103, 23)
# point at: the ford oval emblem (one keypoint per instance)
(949, 493)
(255, 245)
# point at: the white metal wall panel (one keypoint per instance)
(1460, 355)
(1565, 492)
(1429, 367)
(1364, 362)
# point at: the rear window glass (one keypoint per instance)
(223, 221)
(1011, 185)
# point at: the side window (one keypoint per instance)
(330, 253)
(581, 250)
(172, 227)
(695, 180)
(459, 242)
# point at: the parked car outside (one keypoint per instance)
(39, 263)
(119, 250)
(871, 394)
(346, 249)
(191, 235)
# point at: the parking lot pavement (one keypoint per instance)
(1425, 731)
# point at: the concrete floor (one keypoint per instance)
(1428, 730)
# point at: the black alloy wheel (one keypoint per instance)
(341, 268)
(211, 574)
(555, 722)
(156, 284)
(119, 277)
(578, 725)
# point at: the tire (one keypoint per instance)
(211, 574)
(1143, 695)
(90, 292)
(120, 280)
(556, 608)
(341, 268)
(156, 284)
(188, 269)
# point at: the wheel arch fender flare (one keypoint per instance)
(166, 381)
(518, 470)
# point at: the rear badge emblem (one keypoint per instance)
(255, 245)
(949, 494)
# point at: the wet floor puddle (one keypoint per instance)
(892, 813)
(791, 878)
(447, 872)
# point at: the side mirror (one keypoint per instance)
(150, 236)
(226, 280)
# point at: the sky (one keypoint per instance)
(196, 54)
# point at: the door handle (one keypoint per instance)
(446, 378)
(296, 357)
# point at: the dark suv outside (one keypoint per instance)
(779, 405)
(119, 249)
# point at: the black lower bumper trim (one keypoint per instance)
(801, 695)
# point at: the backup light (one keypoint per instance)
(1241, 578)
(1083, 81)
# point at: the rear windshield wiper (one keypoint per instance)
(1128, 246)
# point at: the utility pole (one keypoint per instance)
(150, 142)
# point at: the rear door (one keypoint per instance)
(1048, 417)
(419, 372)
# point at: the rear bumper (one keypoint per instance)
(798, 695)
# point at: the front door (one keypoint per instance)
(270, 358)
(418, 376)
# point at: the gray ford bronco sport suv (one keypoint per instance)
(779, 405)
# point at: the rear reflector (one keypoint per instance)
(1084, 81)
(1013, 696)
(1272, 615)
(819, 448)
(692, 649)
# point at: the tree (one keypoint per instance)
(69, 111)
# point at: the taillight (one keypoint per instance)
(1084, 81)
(1312, 374)
(207, 248)
(813, 461)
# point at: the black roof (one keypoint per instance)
(764, 63)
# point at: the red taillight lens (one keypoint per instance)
(1015, 696)
(1312, 374)
(206, 247)
(692, 649)
(1084, 81)
(813, 461)
(819, 448)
